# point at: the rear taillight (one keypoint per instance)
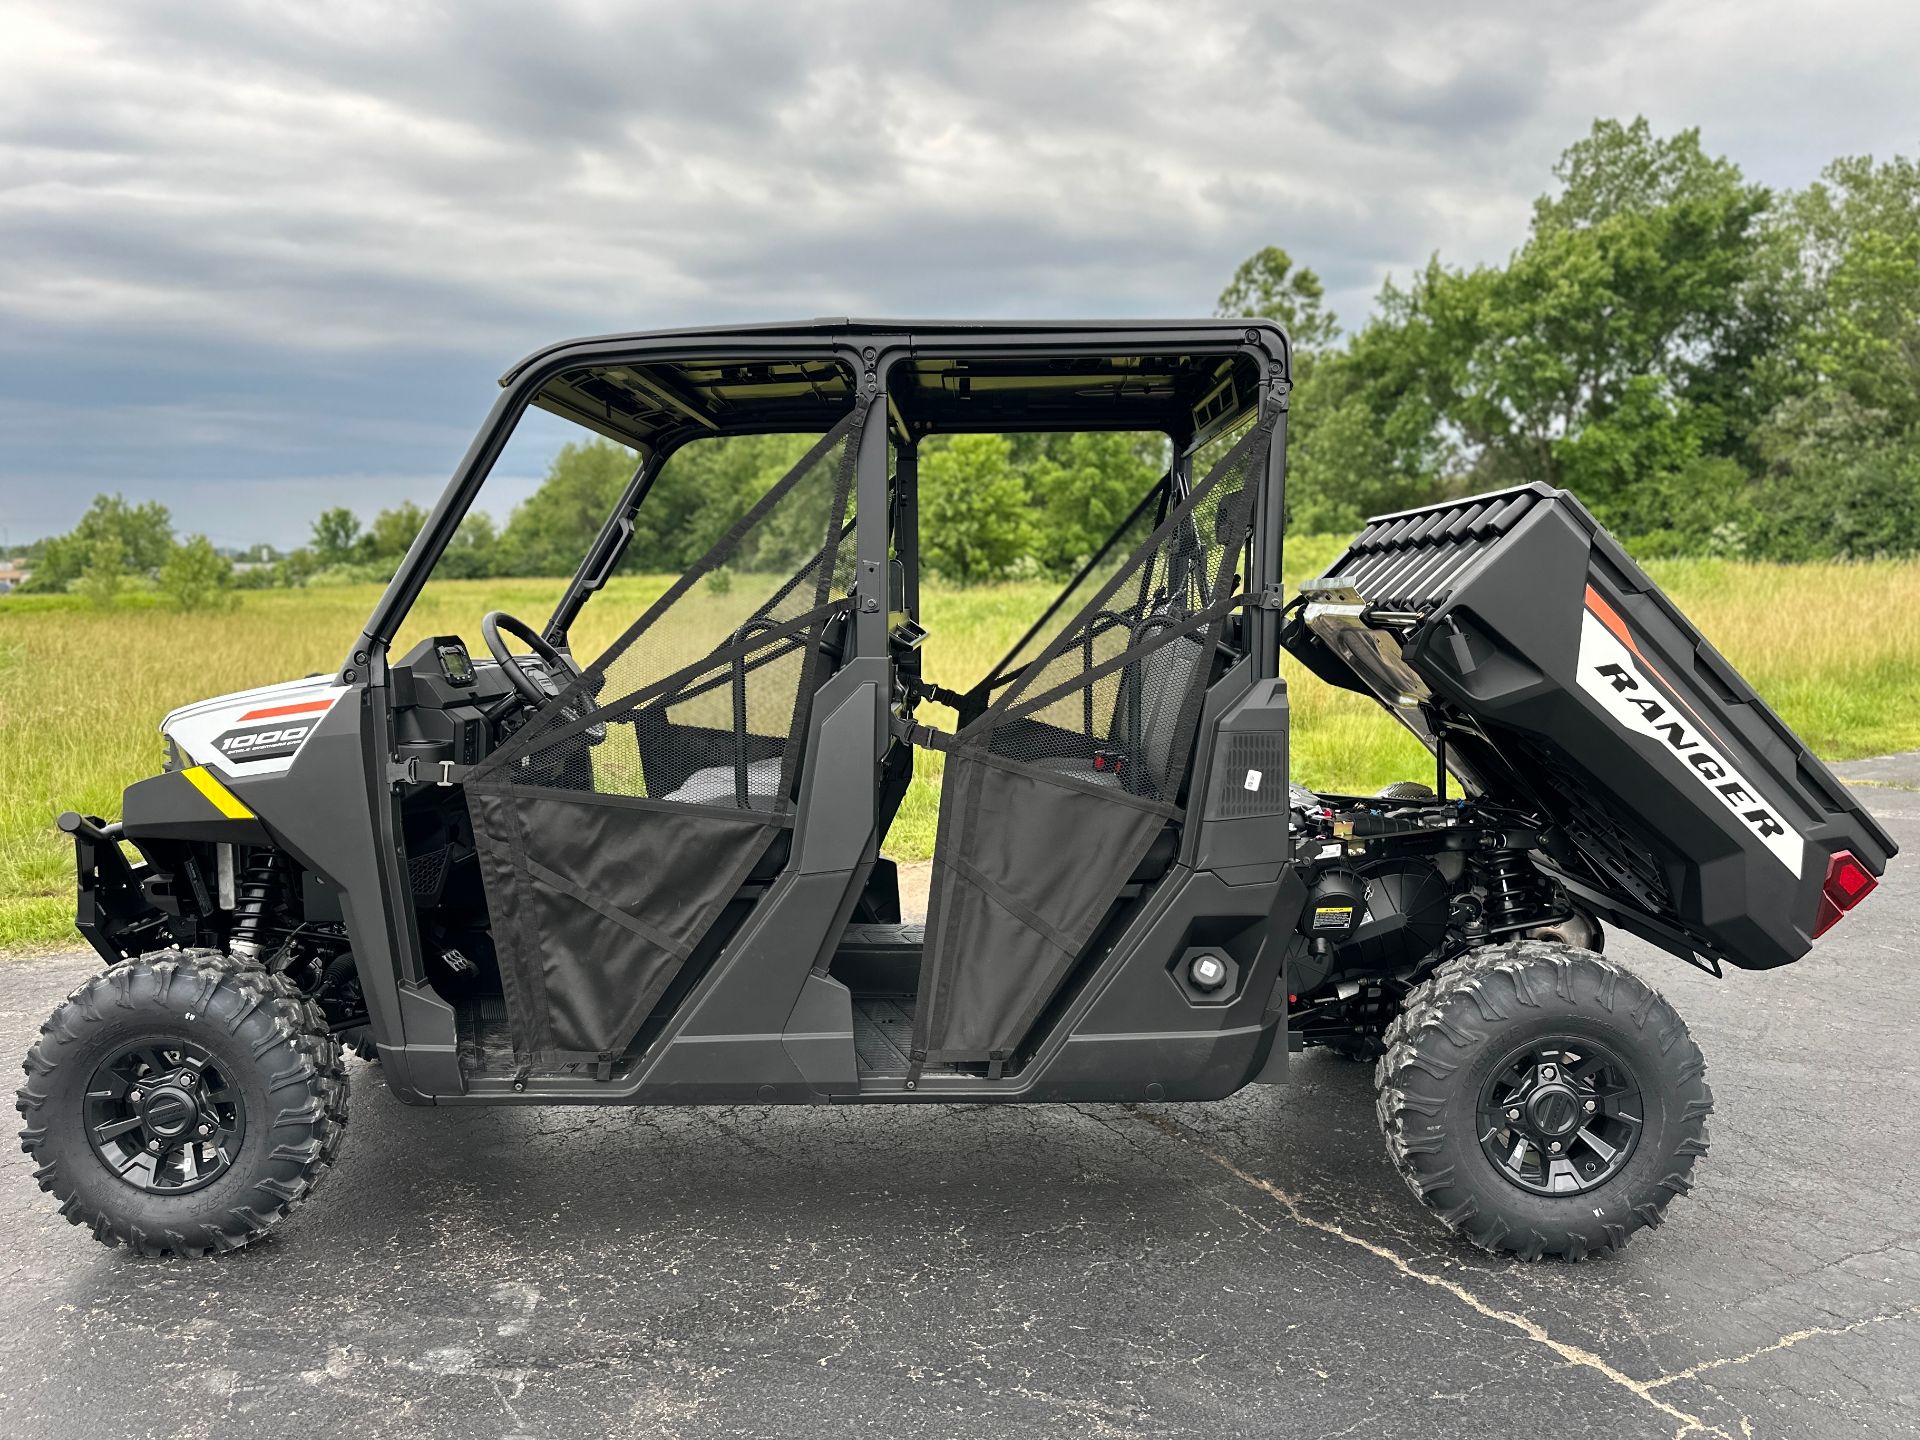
(1848, 882)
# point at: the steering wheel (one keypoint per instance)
(535, 687)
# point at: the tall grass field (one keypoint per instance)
(1834, 648)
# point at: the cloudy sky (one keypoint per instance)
(259, 258)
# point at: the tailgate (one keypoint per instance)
(1513, 631)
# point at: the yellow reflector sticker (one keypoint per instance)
(224, 800)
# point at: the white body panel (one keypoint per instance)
(1628, 692)
(252, 732)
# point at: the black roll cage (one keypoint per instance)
(869, 352)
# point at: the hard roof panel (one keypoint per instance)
(825, 329)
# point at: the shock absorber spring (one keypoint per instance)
(253, 902)
(1514, 894)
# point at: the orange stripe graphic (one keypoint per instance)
(1604, 613)
(306, 707)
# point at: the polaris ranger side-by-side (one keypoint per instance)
(654, 875)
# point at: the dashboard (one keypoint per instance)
(440, 673)
(448, 706)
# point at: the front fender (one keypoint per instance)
(190, 804)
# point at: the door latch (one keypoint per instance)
(411, 772)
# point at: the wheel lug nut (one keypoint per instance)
(1589, 1105)
(153, 1145)
(206, 1129)
(135, 1096)
(1513, 1114)
(1554, 1147)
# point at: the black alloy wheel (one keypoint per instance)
(164, 1116)
(1560, 1115)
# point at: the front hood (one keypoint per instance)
(252, 732)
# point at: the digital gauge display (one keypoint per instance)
(455, 663)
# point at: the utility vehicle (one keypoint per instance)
(652, 871)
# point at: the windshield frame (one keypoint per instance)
(520, 392)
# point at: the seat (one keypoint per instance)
(1159, 685)
(1079, 769)
(1166, 845)
(715, 786)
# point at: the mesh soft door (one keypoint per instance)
(615, 826)
(1054, 795)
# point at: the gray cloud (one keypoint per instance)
(252, 252)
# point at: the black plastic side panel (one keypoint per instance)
(321, 811)
(1140, 1035)
(819, 1037)
(1240, 792)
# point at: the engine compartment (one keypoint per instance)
(1399, 883)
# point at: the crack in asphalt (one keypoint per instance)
(1535, 1332)
(1785, 1342)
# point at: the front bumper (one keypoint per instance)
(111, 907)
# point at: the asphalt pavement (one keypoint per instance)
(1252, 1267)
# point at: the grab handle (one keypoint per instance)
(744, 633)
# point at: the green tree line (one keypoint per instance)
(118, 547)
(1713, 366)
